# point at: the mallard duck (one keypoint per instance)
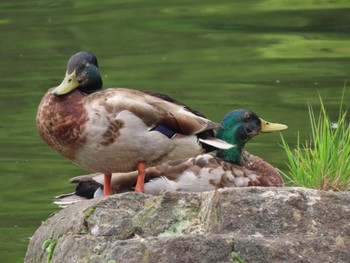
(232, 167)
(118, 129)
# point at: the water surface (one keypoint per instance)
(272, 57)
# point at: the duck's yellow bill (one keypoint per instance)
(68, 84)
(271, 127)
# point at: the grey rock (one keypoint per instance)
(250, 224)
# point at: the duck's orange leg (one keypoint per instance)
(141, 167)
(107, 188)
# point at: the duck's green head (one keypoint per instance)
(82, 73)
(238, 127)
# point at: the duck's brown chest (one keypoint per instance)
(61, 122)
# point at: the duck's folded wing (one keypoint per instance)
(154, 110)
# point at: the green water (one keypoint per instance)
(272, 57)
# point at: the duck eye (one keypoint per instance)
(248, 119)
(70, 80)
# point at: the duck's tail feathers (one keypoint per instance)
(87, 188)
(217, 143)
(66, 200)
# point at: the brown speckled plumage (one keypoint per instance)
(218, 173)
(112, 132)
(197, 174)
(61, 122)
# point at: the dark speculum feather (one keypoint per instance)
(165, 130)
